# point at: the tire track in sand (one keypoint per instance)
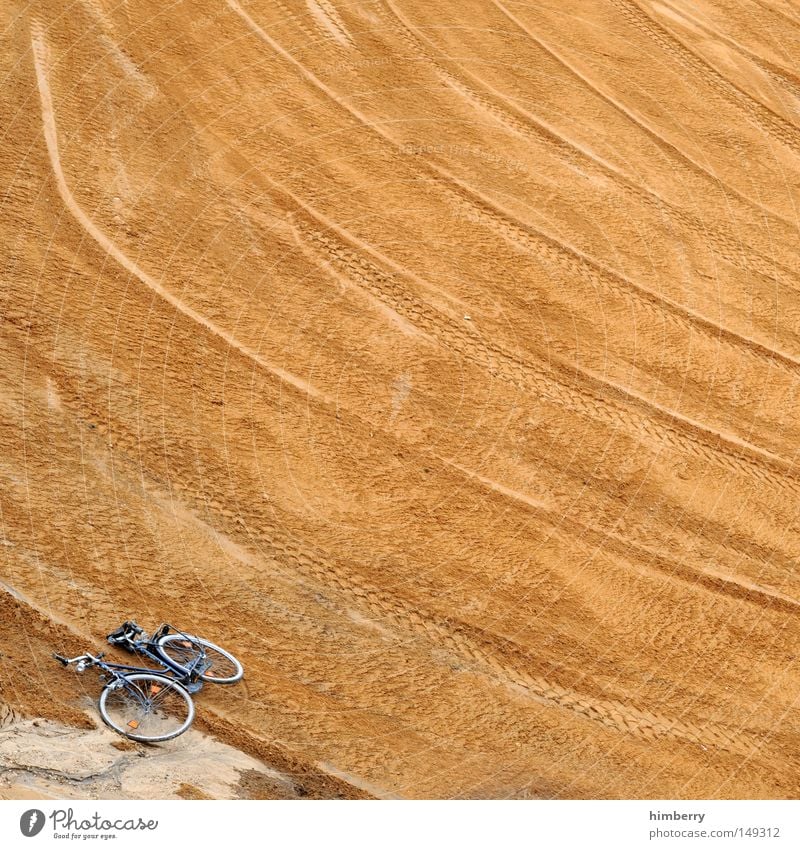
(575, 263)
(497, 657)
(528, 126)
(640, 555)
(39, 46)
(728, 451)
(642, 123)
(759, 115)
(784, 77)
(594, 398)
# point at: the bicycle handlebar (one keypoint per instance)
(67, 661)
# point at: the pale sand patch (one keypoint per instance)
(41, 759)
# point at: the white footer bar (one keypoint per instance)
(352, 825)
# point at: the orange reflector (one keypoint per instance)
(154, 689)
(134, 723)
(186, 644)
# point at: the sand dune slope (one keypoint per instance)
(440, 359)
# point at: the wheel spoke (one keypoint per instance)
(147, 707)
(221, 666)
(160, 695)
(134, 690)
(182, 651)
(186, 652)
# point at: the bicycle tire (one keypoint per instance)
(183, 655)
(132, 702)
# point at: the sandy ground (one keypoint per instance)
(47, 760)
(440, 359)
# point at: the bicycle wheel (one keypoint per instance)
(148, 708)
(183, 649)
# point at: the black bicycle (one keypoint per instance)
(148, 705)
(179, 652)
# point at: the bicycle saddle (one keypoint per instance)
(125, 632)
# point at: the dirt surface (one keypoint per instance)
(440, 359)
(47, 760)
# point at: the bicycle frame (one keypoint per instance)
(190, 679)
(118, 671)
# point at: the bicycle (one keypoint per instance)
(178, 651)
(144, 704)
